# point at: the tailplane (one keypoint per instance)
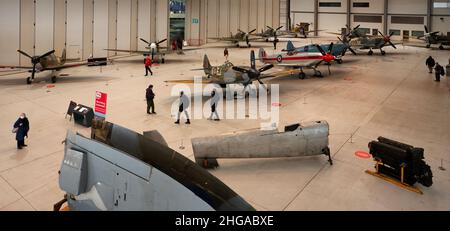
(63, 56)
(262, 54)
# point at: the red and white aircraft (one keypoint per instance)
(300, 60)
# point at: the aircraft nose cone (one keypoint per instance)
(328, 58)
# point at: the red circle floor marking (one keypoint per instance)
(50, 86)
(362, 154)
(276, 104)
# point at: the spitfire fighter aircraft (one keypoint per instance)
(49, 62)
(434, 38)
(300, 60)
(299, 30)
(154, 50)
(238, 38)
(339, 49)
(227, 73)
(373, 42)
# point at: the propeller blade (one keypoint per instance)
(270, 27)
(381, 34)
(320, 49)
(161, 41)
(279, 28)
(330, 48)
(33, 72)
(266, 67)
(426, 29)
(357, 27)
(340, 40)
(240, 69)
(252, 60)
(391, 34)
(241, 31)
(252, 31)
(47, 54)
(145, 41)
(25, 54)
(351, 50)
(392, 45)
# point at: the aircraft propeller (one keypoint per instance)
(252, 72)
(387, 39)
(347, 46)
(35, 60)
(327, 57)
(275, 36)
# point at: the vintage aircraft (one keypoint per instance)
(239, 37)
(227, 73)
(49, 62)
(435, 38)
(300, 60)
(339, 49)
(373, 42)
(154, 50)
(299, 30)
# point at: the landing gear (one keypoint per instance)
(53, 79)
(249, 45)
(318, 74)
(339, 61)
(383, 52)
(370, 52)
(428, 45)
(29, 81)
(441, 47)
(163, 61)
(302, 75)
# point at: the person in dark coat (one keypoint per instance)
(21, 128)
(149, 95)
(214, 102)
(439, 70)
(225, 53)
(430, 64)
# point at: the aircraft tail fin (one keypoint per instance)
(206, 65)
(290, 46)
(63, 56)
(252, 59)
(262, 54)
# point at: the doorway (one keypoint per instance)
(406, 35)
(177, 21)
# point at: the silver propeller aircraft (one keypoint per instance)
(435, 38)
(239, 37)
(49, 62)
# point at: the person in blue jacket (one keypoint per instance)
(21, 128)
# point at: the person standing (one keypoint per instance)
(182, 107)
(149, 95)
(439, 70)
(225, 53)
(21, 128)
(214, 102)
(148, 64)
(430, 64)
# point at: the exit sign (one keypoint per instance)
(195, 21)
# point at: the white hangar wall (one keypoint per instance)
(83, 27)
(404, 17)
(219, 18)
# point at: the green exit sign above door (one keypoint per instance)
(195, 21)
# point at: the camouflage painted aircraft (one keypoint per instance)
(227, 73)
(239, 37)
(434, 38)
(373, 42)
(49, 62)
(155, 51)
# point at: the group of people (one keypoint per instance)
(438, 69)
(183, 105)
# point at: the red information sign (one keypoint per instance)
(100, 103)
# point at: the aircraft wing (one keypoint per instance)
(16, 67)
(228, 39)
(276, 74)
(189, 81)
(129, 51)
(65, 66)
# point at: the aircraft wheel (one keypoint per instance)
(223, 85)
(163, 60)
(319, 74)
(441, 47)
(339, 61)
(267, 40)
(249, 45)
(53, 79)
(370, 53)
(383, 52)
(428, 45)
(29, 80)
(302, 75)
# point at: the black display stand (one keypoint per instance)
(83, 115)
(72, 106)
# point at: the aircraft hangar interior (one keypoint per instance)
(202, 105)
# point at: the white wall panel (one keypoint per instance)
(375, 6)
(144, 19)
(441, 25)
(303, 17)
(224, 13)
(134, 25)
(162, 20)
(59, 36)
(234, 15)
(253, 15)
(74, 29)
(112, 26)
(100, 28)
(44, 26)
(88, 34)
(9, 37)
(302, 5)
(26, 29)
(261, 18)
(407, 7)
(212, 18)
(331, 22)
(244, 16)
(124, 24)
(269, 12)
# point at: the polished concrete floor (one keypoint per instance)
(366, 97)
